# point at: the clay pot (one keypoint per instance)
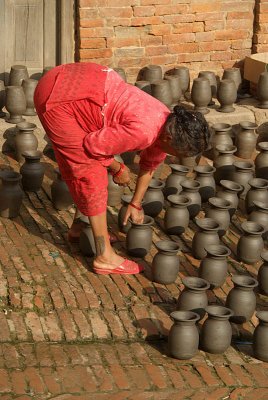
(15, 104)
(210, 75)
(125, 200)
(175, 87)
(29, 86)
(234, 74)
(145, 86)
(220, 136)
(227, 94)
(32, 171)
(87, 242)
(229, 190)
(157, 173)
(262, 90)
(25, 139)
(161, 91)
(139, 237)
(10, 194)
(244, 171)
(216, 332)
(241, 299)
(190, 162)
(207, 234)
(193, 297)
(250, 244)
(152, 73)
(224, 162)
(153, 200)
(60, 195)
(260, 337)
(128, 157)
(190, 189)
(263, 274)
(246, 139)
(17, 74)
(201, 94)
(262, 134)
(261, 161)
(258, 192)
(184, 75)
(174, 179)
(204, 175)
(176, 218)
(166, 263)
(2, 98)
(213, 268)
(183, 338)
(260, 216)
(115, 192)
(121, 72)
(219, 212)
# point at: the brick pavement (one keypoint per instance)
(66, 333)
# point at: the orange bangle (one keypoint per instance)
(134, 206)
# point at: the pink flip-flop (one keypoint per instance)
(127, 267)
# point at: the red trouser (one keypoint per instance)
(85, 177)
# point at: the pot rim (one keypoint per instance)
(205, 169)
(156, 184)
(263, 145)
(179, 168)
(32, 154)
(148, 221)
(190, 184)
(218, 250)
(184, 316)
(252, 228)
(244, 165)
(207, 224)
(262, 315)
(10, 176)
(244, 281)
(26, 126)
(264, 255)
(248, 125)
(174, 247)
(126, 198)
(221, 127)
(231, 185)
(179, 200)
(226, 148)
(195, 283)
(258, 183)
(218, 311)
(218, 202)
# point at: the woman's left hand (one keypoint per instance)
(135, 215)
(124, 178)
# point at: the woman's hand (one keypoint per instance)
(134, 214)
(124, 178)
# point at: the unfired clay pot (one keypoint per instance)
(60, 195)
(260, 337)
(250, 244)
(10, 194)
(207, 234)
(260, 215)
(219, 211)
(190, 189)
(32, 171)
(139, 237)
(176, 218)
(174, 179)
(230, 190)
(258, 192)
(153, 199)
(166, 263)
(261, 161)
(263, 274)
(244, 171)
(227, 94)
(201, 94)
(204, 175)
(25, 139)
(246, 139)
(15, 104)
(224, 162)
(213, 268)
(194, 297)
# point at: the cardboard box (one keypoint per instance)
(254, 65)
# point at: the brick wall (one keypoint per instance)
(202, 34)
(260, 38)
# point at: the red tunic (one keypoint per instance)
(90, 114)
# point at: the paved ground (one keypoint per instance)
(66, 333)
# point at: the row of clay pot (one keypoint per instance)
(216, 333)
(18, 96)
(206, 86)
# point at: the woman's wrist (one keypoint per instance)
(115, 166)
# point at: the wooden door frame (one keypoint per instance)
(65, 33)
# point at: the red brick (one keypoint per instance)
(142, 21)
(144, 11)
(92, 23)
(36, 383)
(68, 325)
(189, 27)
(70, 381)
(93, 43)
(212, 25)
(122, 42)
(153, 2)
(58, 354)
(19, 326)
(19, 385)
(120, 377)
(239, 393)
(258, 394)
(206, 373)
(86, 378)
(139, 377)
(214, 46)
(33, 323)
(178, 19)
(156, 373)
(27, 351)
(160, 30)
(11, 356)
(183, 48)
(205, 7)
(178, 38)
(90, 355)
(118, 22)
(50, 379)
(96, 32)
(190, 377)
(82, 323)
(155, 50)
(230, 34)
(43, 355)
(128, 324)
(204, 36)
(99, 327)
(4, 382)
(171, 9)
(88, 13)
(225, 375)
(105, 381)
(257, 373)
(117, 12)
(4, 331)
(241, 375)
(115, 325)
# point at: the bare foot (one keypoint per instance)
(108, 263)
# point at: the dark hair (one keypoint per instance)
(189, 130)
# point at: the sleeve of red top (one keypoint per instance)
(151, 157)
(103, 144)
